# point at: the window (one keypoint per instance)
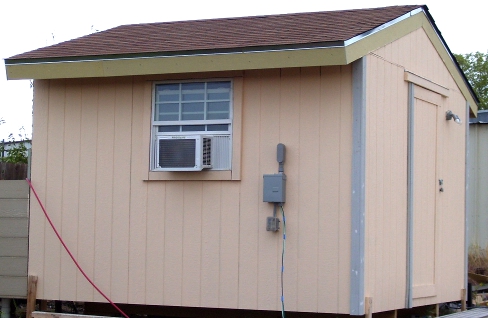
(194, 115)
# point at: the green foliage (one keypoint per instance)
(475, 66)
(18, 152)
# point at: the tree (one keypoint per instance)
(475, 66)
(17, 153)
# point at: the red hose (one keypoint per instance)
(69, 252)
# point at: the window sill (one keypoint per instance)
(190, 175)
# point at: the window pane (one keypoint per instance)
(192, 107)
(217, 116)
(169, 108)
(193, 128)
(221, 127)
(168, 128)
(192, 111)
(168, 111)
(218, 90)
(218, 107)
(191, 116)
(192, 91)
(168, 117)
(218, 110)
(167, 92)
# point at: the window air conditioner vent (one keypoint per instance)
(184, 153)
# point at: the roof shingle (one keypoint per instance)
(223, 34)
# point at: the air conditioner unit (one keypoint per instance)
(184, 153)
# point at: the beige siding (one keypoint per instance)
(386, 174)
(386, 180)
(195, 243)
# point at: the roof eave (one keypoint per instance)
(322, 54)
(182, 62)
(313, 54)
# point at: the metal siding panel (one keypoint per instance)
(14, 208)
(14, 189)
(14, 227)
(13, 266)
(13, 287)
(13, 246)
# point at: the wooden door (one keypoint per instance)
(426, 187)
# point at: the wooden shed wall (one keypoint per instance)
(386, 174)
(194, 243)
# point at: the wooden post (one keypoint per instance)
(437, 310)
(463, 299)
(368, 307)
(31, 295)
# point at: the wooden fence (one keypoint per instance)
(13, 171)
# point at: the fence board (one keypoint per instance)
(13, 171)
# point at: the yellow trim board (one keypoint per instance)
(179, 64)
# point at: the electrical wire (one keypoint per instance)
(69, 252)
(283, 263)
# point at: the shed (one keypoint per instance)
(375, 171)
(478, 183)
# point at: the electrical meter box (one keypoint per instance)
(274, 188)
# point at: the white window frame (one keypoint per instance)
(155, 124)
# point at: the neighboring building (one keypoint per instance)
(478, 182)
(375, 193)
(7, 145)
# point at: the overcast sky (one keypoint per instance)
(30, 24)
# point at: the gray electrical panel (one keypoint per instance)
(274, 188)
(272, 223)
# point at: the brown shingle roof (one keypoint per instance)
(223, 34)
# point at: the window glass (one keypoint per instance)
(223, 127)
(192, 91)
(167, 92)
(193, 128)
(168, 111)
(218, 110)
(168, 128)
(193, 111)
